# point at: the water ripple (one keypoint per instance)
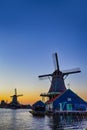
(22, 120)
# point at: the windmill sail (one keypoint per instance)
(71, 71)
(46, 75)
(57, 64)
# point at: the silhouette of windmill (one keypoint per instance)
(14, 98)
(57, 83)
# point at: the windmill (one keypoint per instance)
(14, 98)
(57, 84)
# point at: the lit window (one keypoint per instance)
(68, 99)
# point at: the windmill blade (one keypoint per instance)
(15, 91)
(57, 64)
(71, 71)
(46, 75)
(19, 95)
(11, 96)
(54, 61)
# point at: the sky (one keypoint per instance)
(31, 31)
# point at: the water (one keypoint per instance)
(23, 120)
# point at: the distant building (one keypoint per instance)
(38, 105)
(3, 104)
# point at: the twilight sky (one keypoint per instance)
(30, 32)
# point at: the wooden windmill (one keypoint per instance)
(14, 98)
(57, 83)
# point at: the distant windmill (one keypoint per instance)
(14, 98)
(57, 83)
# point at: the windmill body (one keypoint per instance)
(57, 84)
(14, 101)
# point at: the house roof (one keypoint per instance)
(38, 103)
(52, 99)
(68, 94)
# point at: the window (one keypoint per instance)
(68, 99)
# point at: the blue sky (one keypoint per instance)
(30, 32)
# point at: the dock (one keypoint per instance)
(79, 114)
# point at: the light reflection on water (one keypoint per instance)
(23, 120)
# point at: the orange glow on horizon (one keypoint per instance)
(30, 98)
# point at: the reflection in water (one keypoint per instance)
(23, 120)
(56, 123)
(67, 122)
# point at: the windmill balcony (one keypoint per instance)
(49, 94)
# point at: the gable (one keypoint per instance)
(69, 97)
(38, 103)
